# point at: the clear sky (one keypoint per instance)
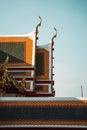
(70, 19)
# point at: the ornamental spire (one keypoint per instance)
(54, 36)
(39, 24)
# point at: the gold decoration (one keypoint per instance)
(20, 86)
(4, 66)
(39, 24)
(54, 36)
(4, 76)
(6, 61)
(8, 80)
(4, 72)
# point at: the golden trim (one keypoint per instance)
(43, 122)
(68, 104)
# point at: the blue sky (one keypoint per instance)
(70, 19)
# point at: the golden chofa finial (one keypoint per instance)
(54, 36)
(39, 24)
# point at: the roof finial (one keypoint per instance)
(39, 24)
(54, 36)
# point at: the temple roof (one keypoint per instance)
(43, 112)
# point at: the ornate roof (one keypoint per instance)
(46, 112)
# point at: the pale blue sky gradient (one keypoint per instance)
(70, 19)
